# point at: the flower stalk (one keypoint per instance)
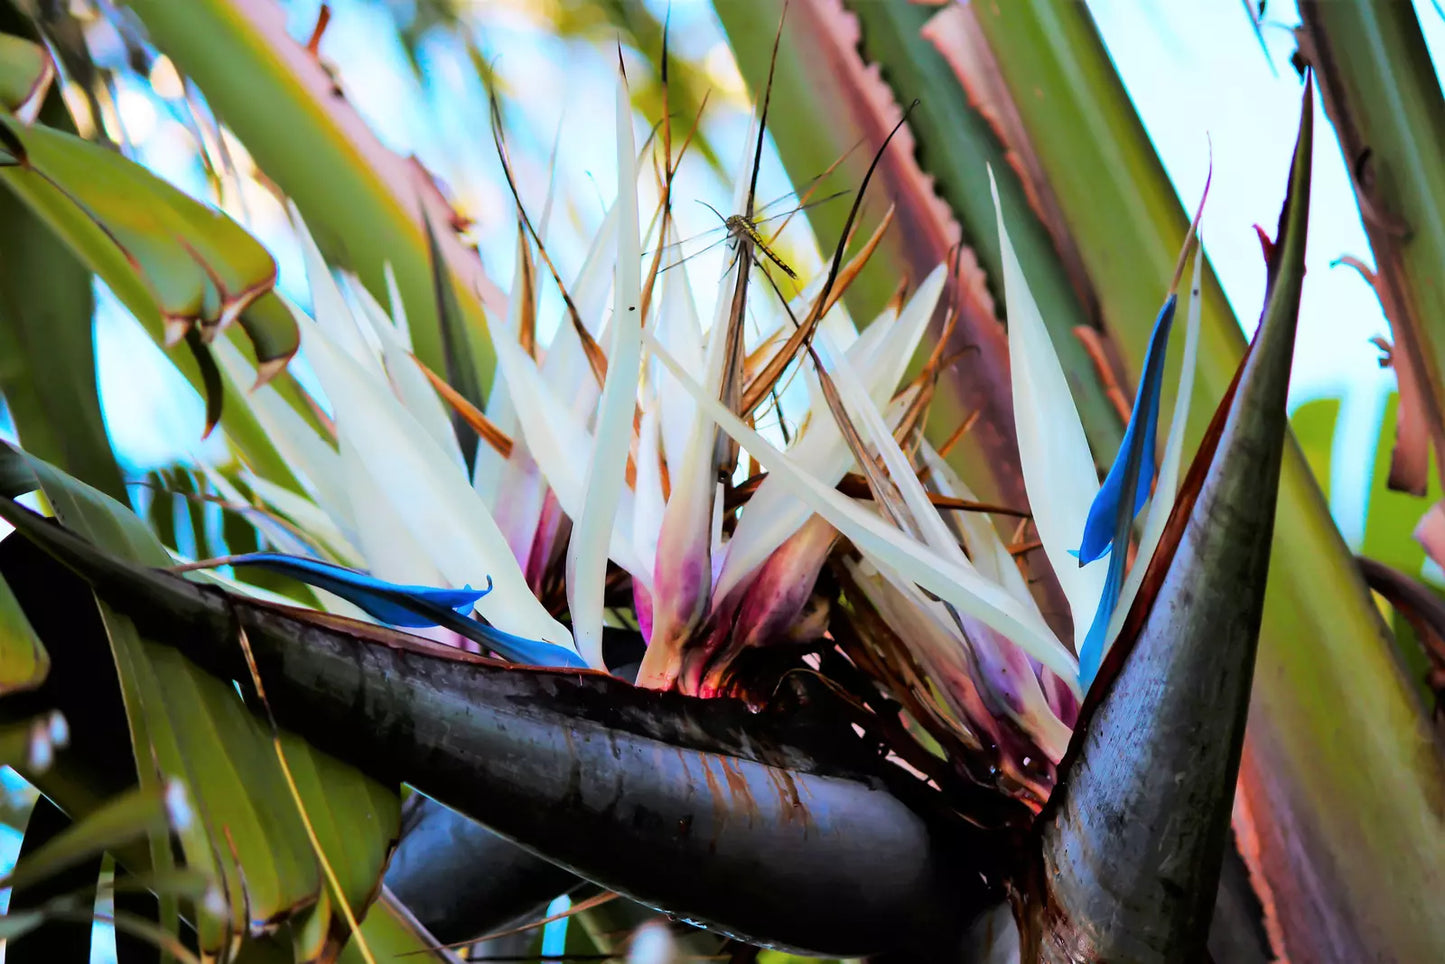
(806, 841)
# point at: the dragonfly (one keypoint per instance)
(740, 227)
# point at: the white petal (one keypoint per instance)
(931, 633)
(871, 427)
(648, 501)
(279, 535)
(407, 380)
(1058, 470)
(433, 499)
(1002, 667)
(987, 551)
(489, 466)
(389, 548)
(398, 307)
(316, 521)
(774, 513)
(310, 457)
(587, 551)
(566, 363)
(493, 475)
(677, 326)
(560, 443)
(328, 305)
(964, 588)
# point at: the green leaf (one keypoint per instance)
(26, 72)
(269, 325)
(198, 265)
(47, 352)
(1379, 87)
(393, 934)
(24, 663)
(48, 374)
(20, 923)
(182, 882)
(461, 370)
(47, 349)
(195, 727)
(1391, 517)
(1313, 425)
(211, 379)
(356, 820)
(957, 146)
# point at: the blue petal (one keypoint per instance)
(1138, 443)
(414, 606)
(390, 602)
(516, 649)
(1091, 654)
(1123, 494)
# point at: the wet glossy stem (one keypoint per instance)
(461, 880)
(769, 827)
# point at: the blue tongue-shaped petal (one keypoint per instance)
(412, 606)
(393, 603)
(1133, 467)
(1124, 492)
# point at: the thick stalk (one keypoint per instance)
(461, 880)
(458, 878)
(780, 828)
(1331, 813)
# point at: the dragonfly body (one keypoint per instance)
(741, 226)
